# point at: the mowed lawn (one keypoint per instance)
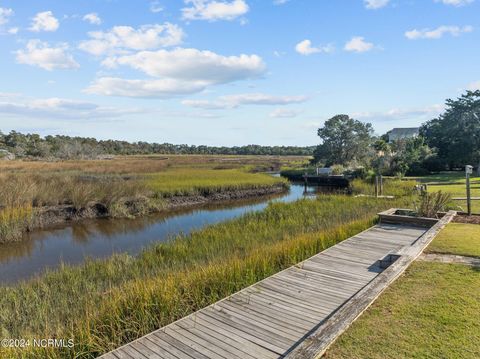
(433, 311)
(458, 238)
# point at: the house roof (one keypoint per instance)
(404, 132)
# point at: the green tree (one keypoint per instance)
(456, 132)
(408, 156)
(344, 141)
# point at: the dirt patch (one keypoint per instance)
(465, 218)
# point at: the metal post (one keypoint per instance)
(468, 172)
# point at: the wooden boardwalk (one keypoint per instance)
(271, 318)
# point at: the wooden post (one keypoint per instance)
(381, 185)
(376, 186)
(468, 171)
(306, 181)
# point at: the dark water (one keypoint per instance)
(101, 238)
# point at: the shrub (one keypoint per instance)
(432, 203)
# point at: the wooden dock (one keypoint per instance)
(284, 315)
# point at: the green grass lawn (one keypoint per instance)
(450, 176)
(458, 238)
(431, 312)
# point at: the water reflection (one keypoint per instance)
(102, 237)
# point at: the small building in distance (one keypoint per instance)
(402, 133)
(6, 156)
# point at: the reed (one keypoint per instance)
(182, 182)
(391, 187)
(14, 221)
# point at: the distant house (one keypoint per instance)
(6, 156)
(402, 133)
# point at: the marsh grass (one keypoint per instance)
(103, 304)
(14, 221)
(181, 182)
(391, 187)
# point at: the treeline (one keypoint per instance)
(450, 141)
(66, 147)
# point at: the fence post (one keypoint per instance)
(468, 172)
(381, 185)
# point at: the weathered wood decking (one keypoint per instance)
(274, 318)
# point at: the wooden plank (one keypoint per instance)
(293, 283)
(251, 327)
(311, 294)
(130, 352)
(328, 277)
(221, 341)
(199, 344)
(262, 340)
(302, 305)
(180, 349)
(109, 356)
(150, 347)
(281, 307)
(248, 321)
(219, 332)
(145, 351)
(250, 312)
(293, 320)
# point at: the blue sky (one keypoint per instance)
(231, 72)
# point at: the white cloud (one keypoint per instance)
(93, 18)
(122, 38)
(455, 2)
(13, 30)
(474, 86)
(399, 114)
(213, 10)
(58, 108)
(280, 2)
(158, 88)
(5, 14)
(155, 7)
(234, 101)
(305, 48)
(438, 32)
(44, 21)
(358, 44)
(177, 72)
(375, 4)
(194, 65)
(41, 54)
(284, 113)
